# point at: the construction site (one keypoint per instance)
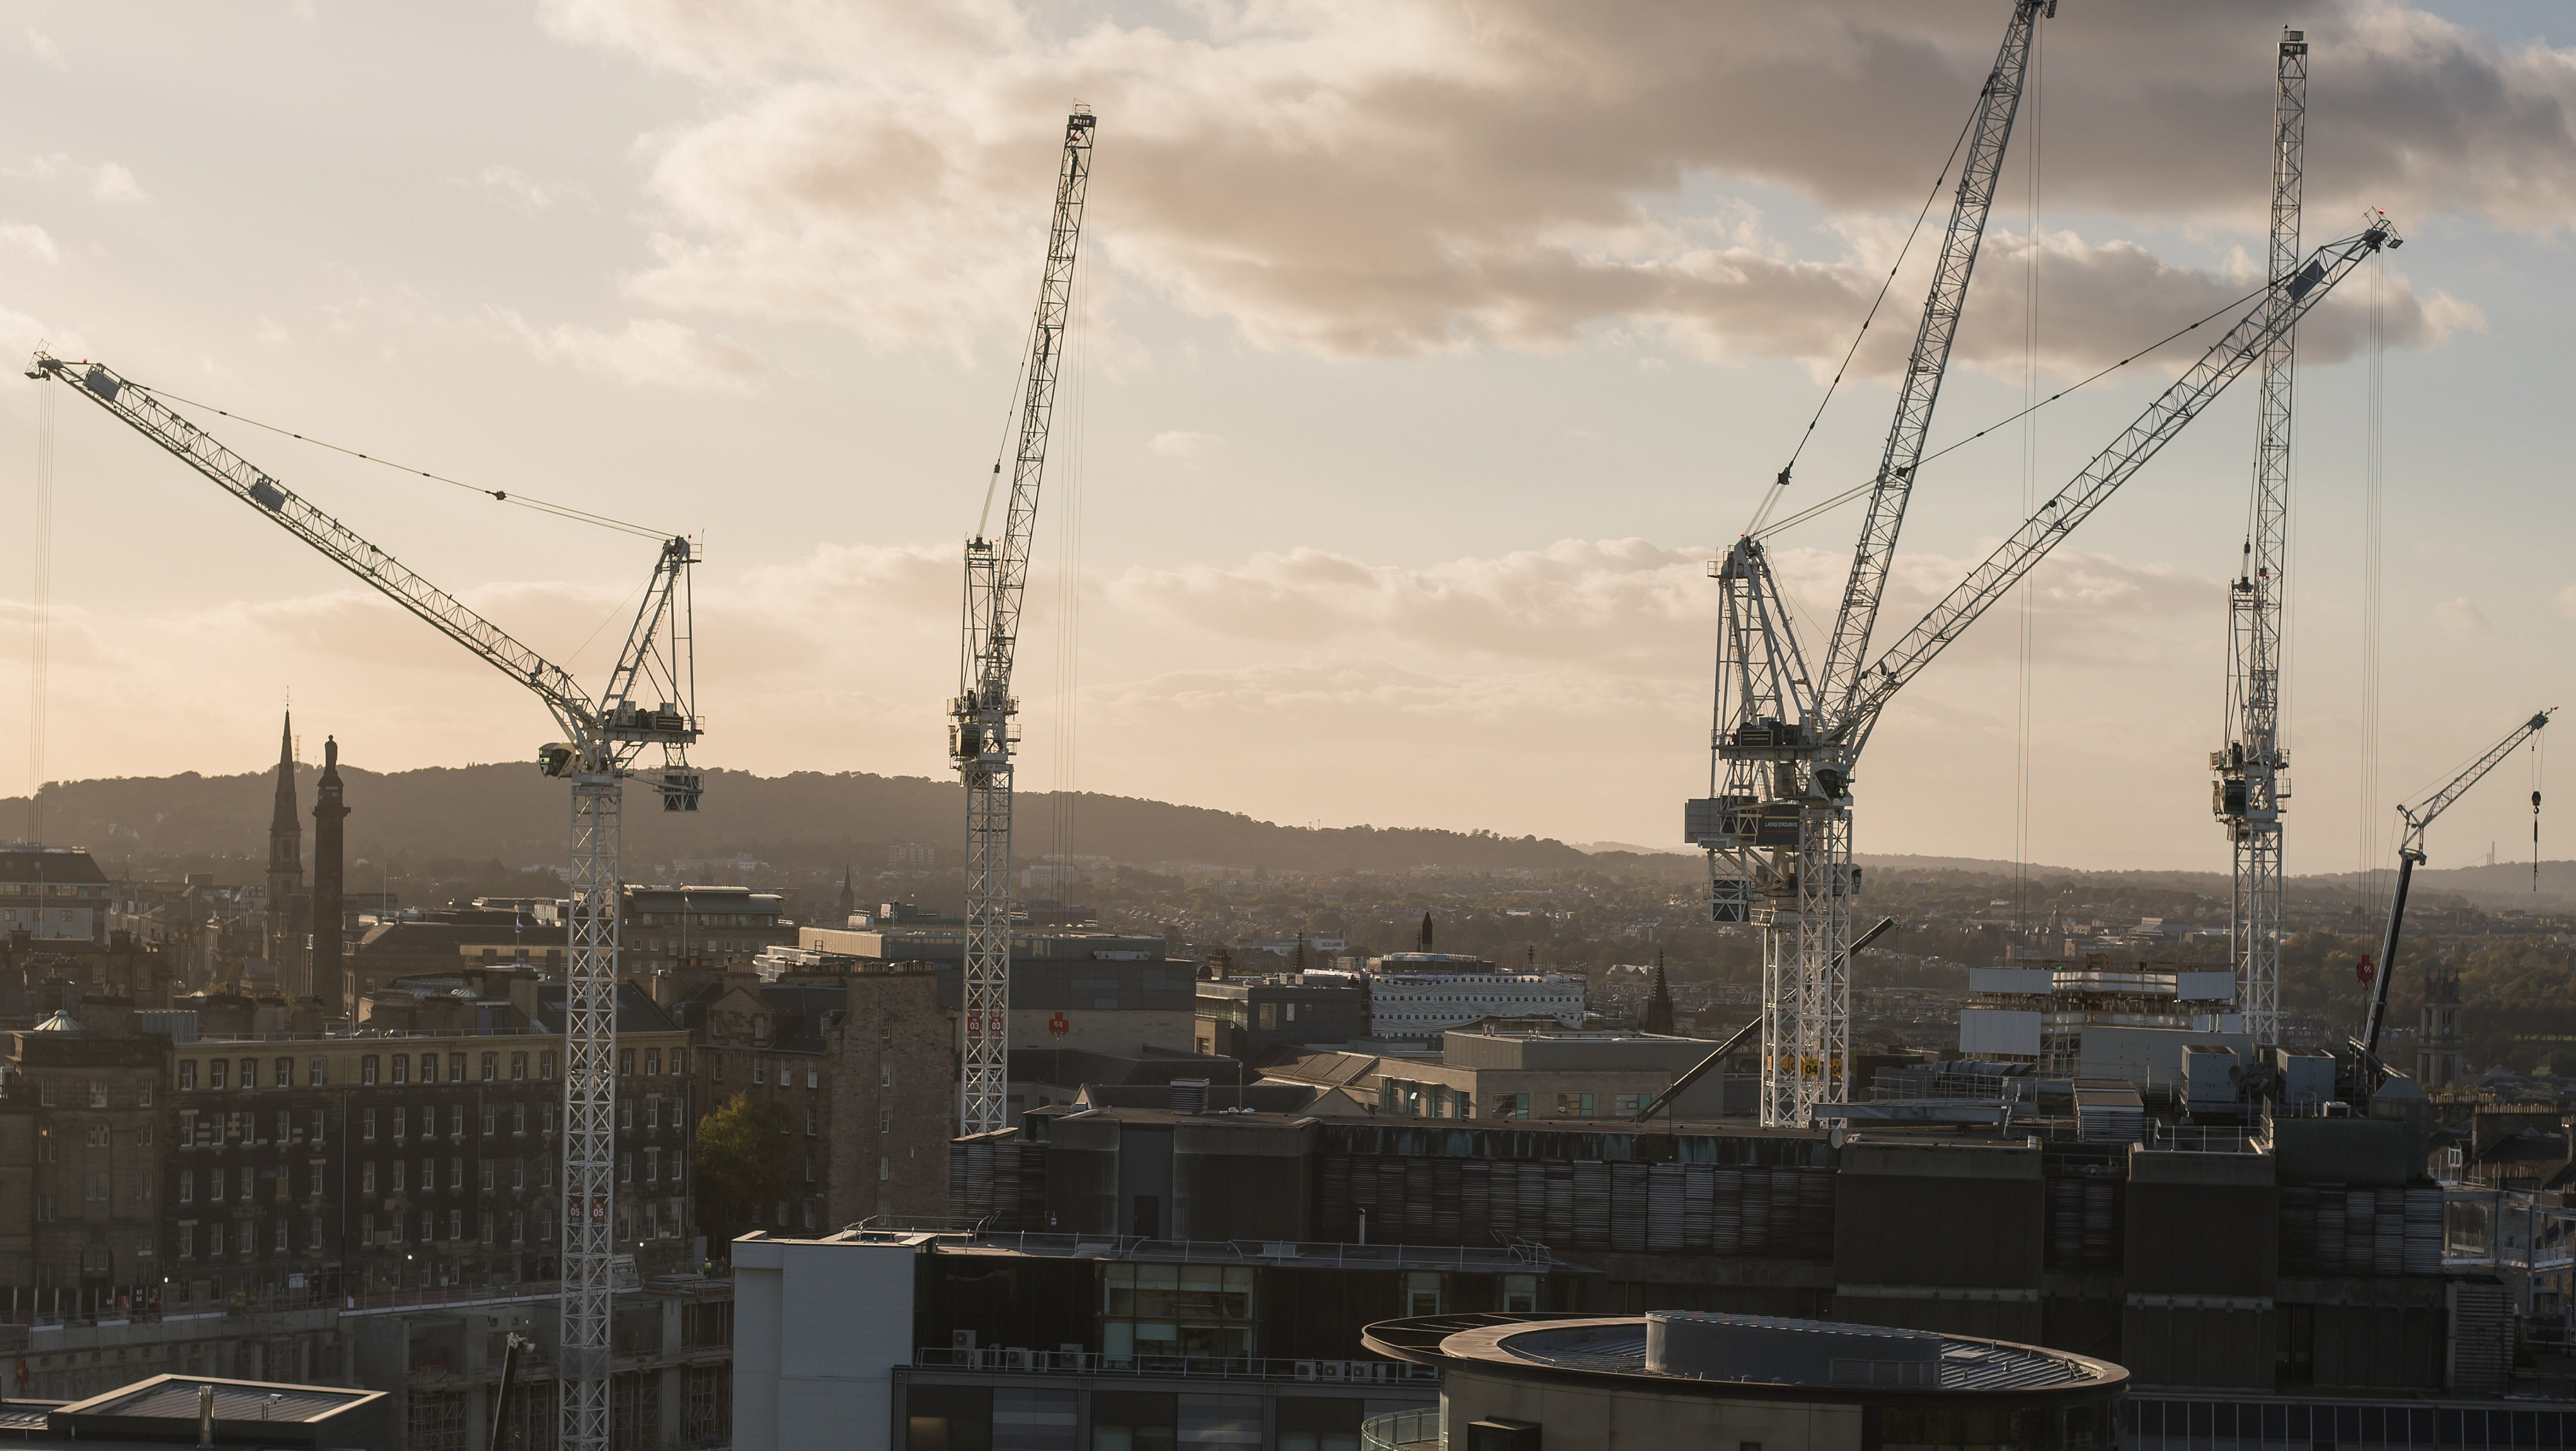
(709, 1163)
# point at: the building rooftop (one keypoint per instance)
(20, 862)
(1669, 1351)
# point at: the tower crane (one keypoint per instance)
(1807, 976)
(981, 731)
(1778, 828)
(2252, 787)
(2411, 823)
(648, 702)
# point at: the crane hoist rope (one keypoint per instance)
(606, 735)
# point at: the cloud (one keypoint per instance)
(2462, 617)
(650, 350)
(1628, 606)
(43, 48)
(516, 186)
(113, 184)
(1183, 444)
(1417, 177)
(30, 239)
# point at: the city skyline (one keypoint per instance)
(1419, 374)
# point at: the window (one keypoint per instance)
(98, 1093)
(626, 1113)
(813, 1120)
(456, 1173)
(402, 1171)
(653, 1166)
(490, 1172)
(317, 1073)
(317, 1128)
(885, 1120)
(653, 1111)
(428, 1068)
(313, 1234)
(456, 1224)
(626, 1168)
(885, 1075)
(402, 1120)
(715, 1066)
(250, 1073)
(491, 1067)
(285, 1236)
(429, 1176)
(456, 1068)
(546, 1066)
(96, 1137)
(285, 1079)
(1574, 1105)
(368, 1131)
(813, 1078)
(491, 1119)
(759, 1073)
(1626, 1105)
(456, 1121)
(679, 1060)
(653, 1061)
(143, 1094)
(518, 1118)
(518, 1173)
(518, 1226)
(285, 1186)
(625, 1062)
(187, 1241)
(187, 1187)
(1520, 1294)
(216, 1069)
(518, 1066)
(1422, 1292)
(367, 1228)
(367, 1177)
(367, 1069)
(93, 1188)
(285, 1125)
(143, 1134)
(215, 1181)
(487, 1226)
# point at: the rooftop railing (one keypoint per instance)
(1026, 1361)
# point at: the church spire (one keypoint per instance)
(285, 826)
(1658, 1016)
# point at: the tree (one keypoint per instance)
(743, 1158)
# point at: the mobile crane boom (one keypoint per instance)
(2412, 820)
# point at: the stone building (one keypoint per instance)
(421, 1152)
(865, 1062)
(81, 1151)
(325, 958)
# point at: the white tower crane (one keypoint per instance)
(604, 736)
(2253, 787)
(1805, 992)
(1778, 830)
(982, 733)
(2411, 824)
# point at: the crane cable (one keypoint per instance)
(1822, 506)
(2373, 512)
(2029, 501)
(40, 617)
(542, 506)
(1781, 484)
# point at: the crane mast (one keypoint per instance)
(2411, 823)
(1764, 742)
(2252, 788)
(605, 737)
(982, 733)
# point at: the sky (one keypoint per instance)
(1424, 355)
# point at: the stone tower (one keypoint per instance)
(329, 909)
(2437, 1052)
(285, 927)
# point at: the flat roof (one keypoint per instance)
(1970, 1370)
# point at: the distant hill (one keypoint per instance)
(512, 814)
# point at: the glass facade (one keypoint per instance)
(2160, 1423)
(1163, 1311)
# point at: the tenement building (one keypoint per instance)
(864, 1062)
(419, 1152)
(80, 1162)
